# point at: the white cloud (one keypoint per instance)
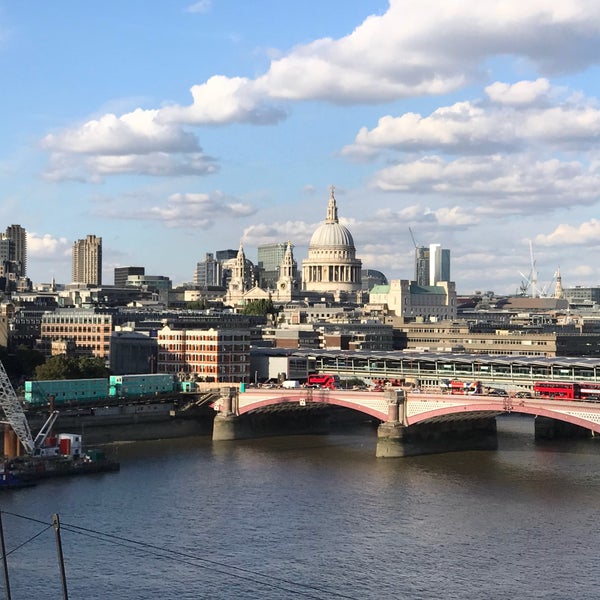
(198, 210)
(224, 100)
(137, 132)
(496, 184)
(520, 93)
(298, 232)
(47, 247)
(416, 47)
(477, 128)
(93, 169)
(585, 234)
(202, 6)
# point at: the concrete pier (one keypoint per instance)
(552, 429)
(395, 440)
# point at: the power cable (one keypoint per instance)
(211, 565)
(214, 566)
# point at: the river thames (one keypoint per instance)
(316, 517)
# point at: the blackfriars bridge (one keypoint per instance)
(411, 422)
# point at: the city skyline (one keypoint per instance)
(185, 129)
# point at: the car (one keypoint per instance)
(523, 395)
(497, 393)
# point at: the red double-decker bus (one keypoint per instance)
(331, 382)
(557, 389)
(589, 392)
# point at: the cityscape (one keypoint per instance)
(300, 299)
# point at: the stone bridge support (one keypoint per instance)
(551, 429)
(395, 439)
(227, 424)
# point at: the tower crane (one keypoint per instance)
(15, 417)
(13, 411)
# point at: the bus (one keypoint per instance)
(454, 386)
(557, 389)
(331, 382)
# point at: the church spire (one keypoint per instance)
(332, 216)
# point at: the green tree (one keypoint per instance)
(260, 307)
(71, 367)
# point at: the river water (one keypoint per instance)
(316, 517)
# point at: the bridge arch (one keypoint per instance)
(574, 417)
(373, 405)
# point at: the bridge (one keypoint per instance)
(403, 414)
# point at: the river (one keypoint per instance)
(316, 517)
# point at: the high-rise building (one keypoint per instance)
(439, 264)
(208, 272)
(431, 264)
(122, 273)
(87, 260)
(18, 246)
(269, 261)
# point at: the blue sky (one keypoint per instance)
(172, 129)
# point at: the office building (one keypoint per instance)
(87, 261)
(270, 257)
(122, 273)
(18, 248)
(431, 264)
(208, 272)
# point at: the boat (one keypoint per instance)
(31, 469)
(9, 481)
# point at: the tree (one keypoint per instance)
(260, 307)
(71, 367)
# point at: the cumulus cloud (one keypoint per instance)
(198, 210)
(137, 132)
(224, 100)
(264, 233)
(515, 118)
(93, 169)
(585, 234)
(423, 47)
(417, 47)
(47, 247)
(520, 93)
(496, 184)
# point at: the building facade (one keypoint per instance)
(122, 273)
(431, 264)
(88, 329)
(411, 301)
(87, 261)
(212, 355)
(16, 250)
(269, 260)
(208, 272)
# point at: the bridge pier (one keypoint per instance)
(395, 439)
(227, 424)
(553, 429)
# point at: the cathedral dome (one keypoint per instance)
(331, 234)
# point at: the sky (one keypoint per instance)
(178, 127)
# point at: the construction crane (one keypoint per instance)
(412, 237)
(15, 417)
(13, 411)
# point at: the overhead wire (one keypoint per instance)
(237, 572)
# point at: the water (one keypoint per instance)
(317, 517)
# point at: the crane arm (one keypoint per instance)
(13, 411)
